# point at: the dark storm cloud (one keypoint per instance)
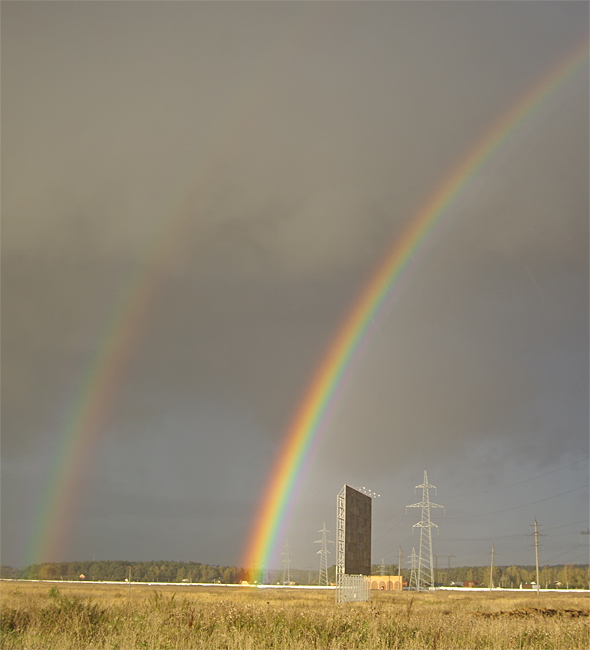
(283, 148)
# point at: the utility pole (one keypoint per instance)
(399, 570)
(537, 551)
(323, 553)
(492, 570)
(425, 571)
(413, 569)
(286, 564)
(587, 532)
(382, 567)
(537, 534)
(435, 574)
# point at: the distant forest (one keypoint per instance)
(573, 576)
(120, 571)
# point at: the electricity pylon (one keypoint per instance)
(425, 570)
(323, 553)
(413, 568)
(286, 564)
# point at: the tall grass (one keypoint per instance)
(119, 617)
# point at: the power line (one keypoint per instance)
(568, 534)
(382, 535)
(574, 523)
(399, 519)
(386, 523)
(478, 539)
(514, 536)
(436, 571)
(387, 554)
(571, 550)
(526, 480)
(396, 514)
(524, 505)
(582, 557)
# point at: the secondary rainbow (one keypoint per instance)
(91, 404)
(82, 422)
(311, 413)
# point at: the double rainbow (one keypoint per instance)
(86, 417)
(311, 413)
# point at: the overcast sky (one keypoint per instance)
(248, 165)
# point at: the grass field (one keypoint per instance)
(79, 616)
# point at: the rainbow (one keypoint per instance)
(305, 427)
(83, 421)
(91, 404)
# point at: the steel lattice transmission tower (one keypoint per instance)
(413, 568)
(286, 564)
(323, 553)
(425, 569)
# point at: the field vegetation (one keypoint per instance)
(78, 616)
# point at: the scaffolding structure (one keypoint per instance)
(340, 540)
(425, 568)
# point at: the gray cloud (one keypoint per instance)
(249, 166)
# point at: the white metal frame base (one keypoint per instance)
(353, 589)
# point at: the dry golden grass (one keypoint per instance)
(78, 616)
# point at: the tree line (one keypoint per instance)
(573, 576)
(154, 571)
